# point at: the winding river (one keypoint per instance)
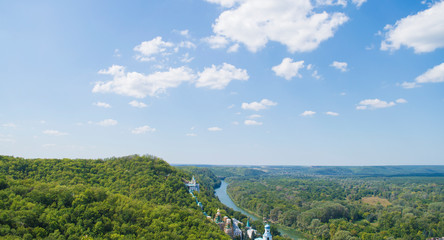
(222, 194)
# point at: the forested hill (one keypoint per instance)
(133, 197)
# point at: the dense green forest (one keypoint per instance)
(133, 197)
(344, 203)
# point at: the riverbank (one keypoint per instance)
(223, 196)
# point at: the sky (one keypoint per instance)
(230, 82)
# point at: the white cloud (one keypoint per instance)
(288, 69)
(186, 58)
(143, 129)
(334, 114)
(113, 70)
(139, 85)
(409, 85)
(308, 113)
(235, 123)
(107, 123)
(216, 41)
(219, 77)
(54, 133)
(256, 106)
(374, 104)
(185, 33)
(231, 106)
(359, 3)
(332, 2)
(252, 123)
(117, 53)
(295, 24)
(187, 44)
(149, 48)
(224, 3)
(9, 125)
(214, 129)
(233, 48)
(424, 31)
(433, 75)
(254, 116)
(102, 104)
(191, 135)
(401, 100)
(340, 65)
(315, 74)
(137, 104)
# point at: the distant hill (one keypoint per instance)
(133, 197)
(361, 171)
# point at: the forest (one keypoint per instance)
(133, 197)
(343, 202)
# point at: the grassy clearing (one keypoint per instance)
(375, 201)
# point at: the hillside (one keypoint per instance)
(133, 197)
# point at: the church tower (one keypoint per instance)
(267, 234)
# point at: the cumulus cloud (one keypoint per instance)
(409, 85)
(9, 125)
(308, 113)
(107, 123)
(296, 24)
(249, 122)
(224, 3)
(256, 106)
(358, 3)
(218, 77)
(139, 85)
(117, 53)
(377, 103)
(332, 2)
(433, 75)
(401, 100)
(288, 69)
(186, 58)
(423, 31)
(137, 104)
(149, 48)
(214, 129)
(54, 133)
(216, 41)
(143, 129)
(185, 33)
(102, 104)
(191, 134)
(233, 48)
(342, 66)
(334, 114)
(254, 116)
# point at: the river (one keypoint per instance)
(222, 194)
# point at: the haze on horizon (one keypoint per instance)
(224, 82)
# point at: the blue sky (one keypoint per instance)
(321, 82)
